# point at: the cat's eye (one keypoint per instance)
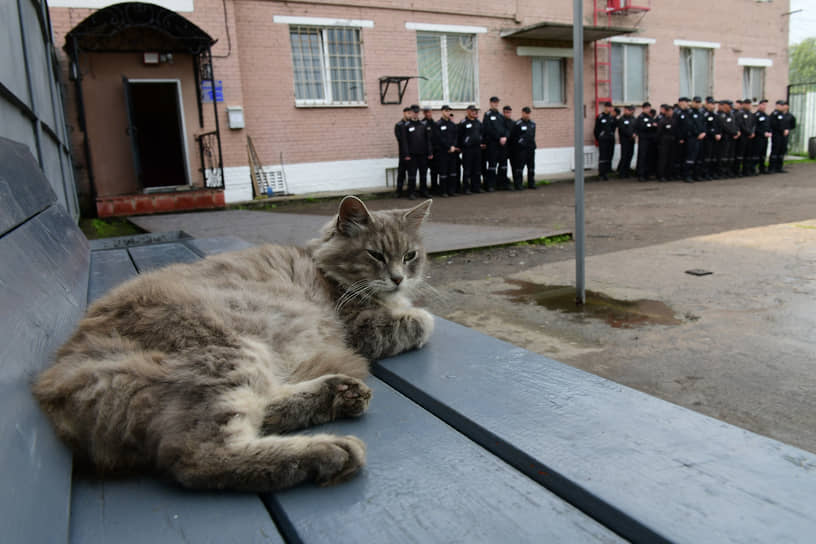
(410, 256)
(377, 255)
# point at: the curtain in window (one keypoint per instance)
(448, 61)
(307, 57)
(635, 73)
(429, 59)
(753, 82)
(461, 70)
(701, 64)
(345, 64)
(548, 85)
(617, 73)
(685, 72)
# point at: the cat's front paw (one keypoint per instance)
(339, 458)
(424, 325)
(350, 396)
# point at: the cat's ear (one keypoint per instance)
(352, 215)
(417, 215)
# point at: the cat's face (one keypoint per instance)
(373, 254)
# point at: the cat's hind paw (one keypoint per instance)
(351, 396)
(340, 458)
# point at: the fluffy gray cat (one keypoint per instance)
(199, 371)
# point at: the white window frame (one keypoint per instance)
(450, 30)
(709, 46)
(746, 93)
(309, 23)
(625, 98)
(563, 78)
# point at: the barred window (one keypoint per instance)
(328, 66)
(548, 81)
(628, 73)
(448, 62)
(696, 65)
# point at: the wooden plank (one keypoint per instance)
(24, 189)
(109, 268)
(212, 246)
(146, 510)
(44, 279)
(648, 469)
(425, 482)
(122, 242)
(151, 257)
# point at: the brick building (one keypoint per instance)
(306, 76)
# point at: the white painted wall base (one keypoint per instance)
(316, 177)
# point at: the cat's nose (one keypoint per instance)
(397, 279)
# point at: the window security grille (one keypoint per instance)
(328, 66)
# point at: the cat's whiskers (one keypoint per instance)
(358, 289)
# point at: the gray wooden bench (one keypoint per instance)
(469, 439)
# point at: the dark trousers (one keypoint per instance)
(779, 145)
(523, 157)
(627, 151)
(678, 159)
(606, 148)
(759, 150)
(665, 158)
(646, 148)
(433, 172)
(727, 155)
(471, 168)
(401, 169)
(743, 155)
(447, 167)
(495, 155)
(708, 168)
(418, 165)
(692, 150)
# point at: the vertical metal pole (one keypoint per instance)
(578, 106)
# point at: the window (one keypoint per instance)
(448, 61)
(753, 82)
(695, 71)
(548, 82)
(328, 65)
(629, 73)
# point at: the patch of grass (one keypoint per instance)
(807, 227)
(544, 182)
(543, 241)
(95, 228)
(801, 161)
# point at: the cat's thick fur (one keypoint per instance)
(199, 371)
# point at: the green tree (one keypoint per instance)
(803, 62)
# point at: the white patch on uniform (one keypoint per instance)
(668, 126)
(603, 120)
(443, 128)
(468, 125)
(492, 117)
(411, 129)
(523, 128)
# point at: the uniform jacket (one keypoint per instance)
(494, 127)
(645, 126)
(398, 128)
(445, 135)
(665, 128)
(727, 124)
(605, 127)
(747, 123)
(782, 121)
(763, 123)
(469, 134)
(626, 127)
(417, 142)
(681, 124)
(711, 123)
(522, 135)
(696, 119)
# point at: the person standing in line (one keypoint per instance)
(748, 123)
(665, 142)
(446, 152)
(469, 140)
(402, 165)
(522, 136)
(788, 124)
(759, 150)
(428, 122)
(697, 133)
(682, 133)
(645, 133)
(605, 136)
(506, 174)
(419, 152)
(626, 136)
(495, 139)
(711, 143)
(730, 134)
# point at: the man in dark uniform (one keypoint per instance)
(418, 151)
(665, 142)
(505, 182)
(681, 125)
(402, 165)
(626, 136)
(697, 133)
(469, 140)
(605, 135)
(746, 141)
(645, 132)
(522, 136)
(782, 122)
(730, 133)
(763, 131)
(711, 143)
(446, 152)
(495, 138)
(428, 122)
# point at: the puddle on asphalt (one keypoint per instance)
(621, 314)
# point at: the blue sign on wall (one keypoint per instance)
(207, 91)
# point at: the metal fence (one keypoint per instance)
(802, 99)
(31, 97)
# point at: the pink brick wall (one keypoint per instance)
(255, 64)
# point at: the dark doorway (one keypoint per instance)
(157, 133)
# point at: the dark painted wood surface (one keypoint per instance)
(649, 468)
(425, 482)
(24, 189)
(147, 258)
(145, 510)
(109, 268)
(211, 246)
(43, 285)
(124, 242)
